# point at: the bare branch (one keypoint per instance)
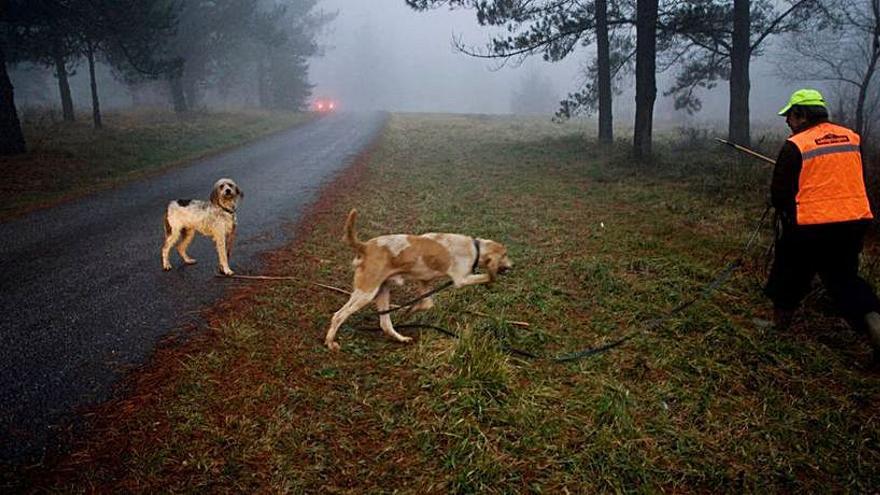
(773, 25)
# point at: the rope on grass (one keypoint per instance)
(256, 277)
(394, 307)
(711, 287)
(281, 277)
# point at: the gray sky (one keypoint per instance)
(382, 54)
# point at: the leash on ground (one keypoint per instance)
(572, 356)
(393, 308)
(409, 303)
(707, 291)
(710, 288)
(335, 289)
(375, 313)
(279, 277)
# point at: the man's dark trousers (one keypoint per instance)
(831, 251)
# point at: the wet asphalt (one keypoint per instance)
(84, 297)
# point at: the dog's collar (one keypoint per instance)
(477, 259)
(227, 210)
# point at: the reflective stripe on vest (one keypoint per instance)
(831, 187)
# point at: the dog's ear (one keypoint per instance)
(239, 192)
(496, 259)
(492, 267)
(493, 261)
(215, 196)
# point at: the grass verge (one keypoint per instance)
(67, 160)
(713, 400)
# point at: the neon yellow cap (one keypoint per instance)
(805, 97)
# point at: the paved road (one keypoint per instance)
(83, 293)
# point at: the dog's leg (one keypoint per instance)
(220, 243)
(358, 300)
(383, 303)
(188, 235)
(171, 238)
(230, 240)
(471, 279)
(426, 303)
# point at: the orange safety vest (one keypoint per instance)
(831, 187)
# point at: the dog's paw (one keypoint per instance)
(405, 339)
(190, 261)
(227, 272)
(166, 268)
(333, 346)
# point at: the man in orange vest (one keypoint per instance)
(818, 189)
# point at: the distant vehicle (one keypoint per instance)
(323, 105)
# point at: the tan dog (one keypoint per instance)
(424, 258)
(214, 218)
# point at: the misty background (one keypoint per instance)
(382, 55)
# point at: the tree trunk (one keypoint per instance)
(63, 84)
(646, 77)
(740, 55)
(177, 97)
(869, 72)
(603, 59)
(863, 95)
(11, 137)
(96, 107)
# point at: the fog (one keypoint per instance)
(382, 54)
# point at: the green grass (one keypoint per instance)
(711, 401)
(65, 160)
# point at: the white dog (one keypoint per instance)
(214, 219)
(422, 259)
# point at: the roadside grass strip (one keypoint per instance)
(68, 159)
(712, 400)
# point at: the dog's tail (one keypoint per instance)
(350, 234)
